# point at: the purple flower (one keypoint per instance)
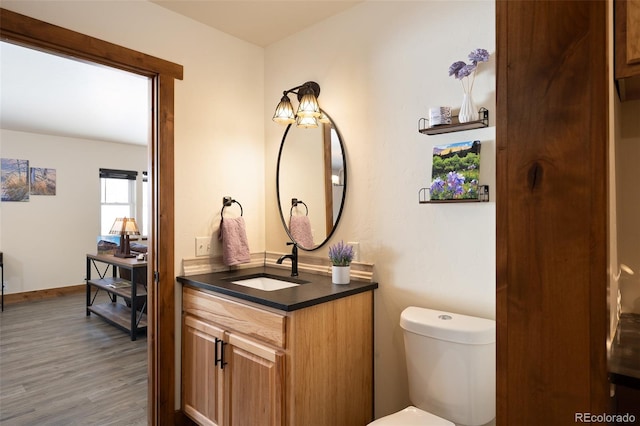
(437, 185)
(478, 55)
(341, 254)
(454, 183)
(465, 71)
(460, 70)
(455, 67)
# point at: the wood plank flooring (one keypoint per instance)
(60, 367)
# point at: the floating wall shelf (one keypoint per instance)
(455, 126)
(483, 196)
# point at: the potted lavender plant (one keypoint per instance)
(341, 255)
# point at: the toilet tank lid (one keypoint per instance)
(448, 326)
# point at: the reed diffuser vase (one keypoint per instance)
(467, 109)
(466, 73)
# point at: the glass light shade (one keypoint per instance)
(306, 122)
(323, 118)
(124, 226)
(284, 112)
(308, 105)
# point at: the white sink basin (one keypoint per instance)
(265, 283)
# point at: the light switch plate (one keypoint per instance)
(203, 246)
(356, 251)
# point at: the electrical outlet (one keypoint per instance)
(203, 246)
(356, 251)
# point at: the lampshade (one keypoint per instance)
(124, 226)
(306, 122)
(323, 118)
(284, 112)
(308, 105)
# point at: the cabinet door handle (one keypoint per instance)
(215, 357)
(219, 356)
(222, 361)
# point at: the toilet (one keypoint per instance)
(451, 368)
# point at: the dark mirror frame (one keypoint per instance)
(344, 192)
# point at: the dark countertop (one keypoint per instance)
(624, 359)
(314, 289)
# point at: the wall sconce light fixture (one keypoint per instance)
(308, 113)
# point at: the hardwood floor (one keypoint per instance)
(60, 367)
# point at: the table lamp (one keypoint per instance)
(124, 227)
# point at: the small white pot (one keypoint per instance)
(340, 274)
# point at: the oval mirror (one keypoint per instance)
(311, 183)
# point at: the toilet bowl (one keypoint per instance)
(411, 416)
(451, 369)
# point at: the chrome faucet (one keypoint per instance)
(294, 259)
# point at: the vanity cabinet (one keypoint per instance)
(244, 364)
(229, 377)
(627, 48)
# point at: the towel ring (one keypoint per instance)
(226, 202)
(294, 203)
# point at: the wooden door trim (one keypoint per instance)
(23, 30)
(549, 321)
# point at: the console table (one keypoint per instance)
(2, 280)
(130, 316)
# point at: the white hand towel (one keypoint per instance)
(235, 246)
(300, 229)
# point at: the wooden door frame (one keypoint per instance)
(551, 321)
(23, 30)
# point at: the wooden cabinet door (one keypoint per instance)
(627, 48)
(633, 31)
(254, 383)
(202, 379)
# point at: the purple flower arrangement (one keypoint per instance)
(341, 254)
(462, 71)
(452, 188)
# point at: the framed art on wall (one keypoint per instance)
(455, 171)
(14, 179)
(43, 181)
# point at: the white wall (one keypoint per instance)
(628, 202)
(45, 240)
(380, 66)
(217, 150)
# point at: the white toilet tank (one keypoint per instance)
(451, 363)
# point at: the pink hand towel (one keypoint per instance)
(235, 246)
(300, 229)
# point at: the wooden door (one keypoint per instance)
(254, 383)
(202, 379)
(551, 211)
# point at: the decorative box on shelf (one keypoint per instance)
(455, 126)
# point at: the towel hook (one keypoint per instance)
(294, 203)
(228, 201)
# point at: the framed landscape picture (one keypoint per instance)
(14, 179)
(43, 181)
(455, 171)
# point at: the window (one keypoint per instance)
(117, 196)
